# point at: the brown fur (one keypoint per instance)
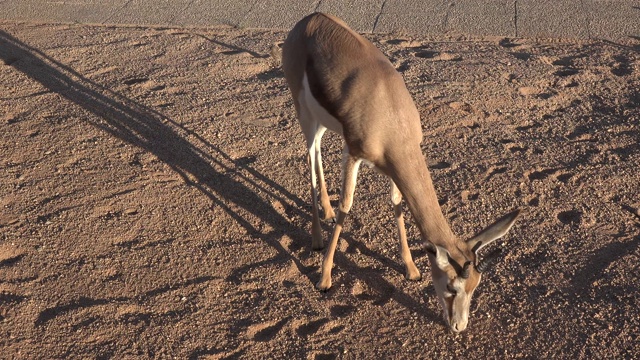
(358, 86)
(352, 66)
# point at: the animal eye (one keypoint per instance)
(451, 290)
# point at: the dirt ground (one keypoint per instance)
(155, 203)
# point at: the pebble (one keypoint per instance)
(528, 91)
(459, 105)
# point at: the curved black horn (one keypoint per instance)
(465, 270)
(488, 260)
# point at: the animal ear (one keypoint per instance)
(440, 254)
(442, 258)
(493, 231)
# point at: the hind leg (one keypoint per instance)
(350, 167)
(313, 132)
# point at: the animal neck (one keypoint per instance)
(411, 175)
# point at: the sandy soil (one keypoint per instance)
(154, 200)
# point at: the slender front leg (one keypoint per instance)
(412, 272)
(350, 167)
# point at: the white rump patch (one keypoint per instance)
(318, 113)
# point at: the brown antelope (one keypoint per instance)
(342, 82)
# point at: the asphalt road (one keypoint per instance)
(617, 20)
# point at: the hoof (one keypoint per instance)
(317, 242)
(328, 211)
(330, 216)
(323, 286)
(413, 275)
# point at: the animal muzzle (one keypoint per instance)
(458, 326)
(458, 323)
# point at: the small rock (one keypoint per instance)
(461, 106)
(357, 289)
(445, 56)
(10, 253)
(7, 220)
(10, 120)
(508, 76)
(528, 91)
(467, 195)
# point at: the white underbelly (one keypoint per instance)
(318, 113)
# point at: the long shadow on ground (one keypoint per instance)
(195, 162)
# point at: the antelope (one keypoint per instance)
(340, 81)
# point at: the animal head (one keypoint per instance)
(457, 272)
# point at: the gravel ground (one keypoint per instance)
(154, 200)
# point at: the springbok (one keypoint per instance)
(342, 82)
